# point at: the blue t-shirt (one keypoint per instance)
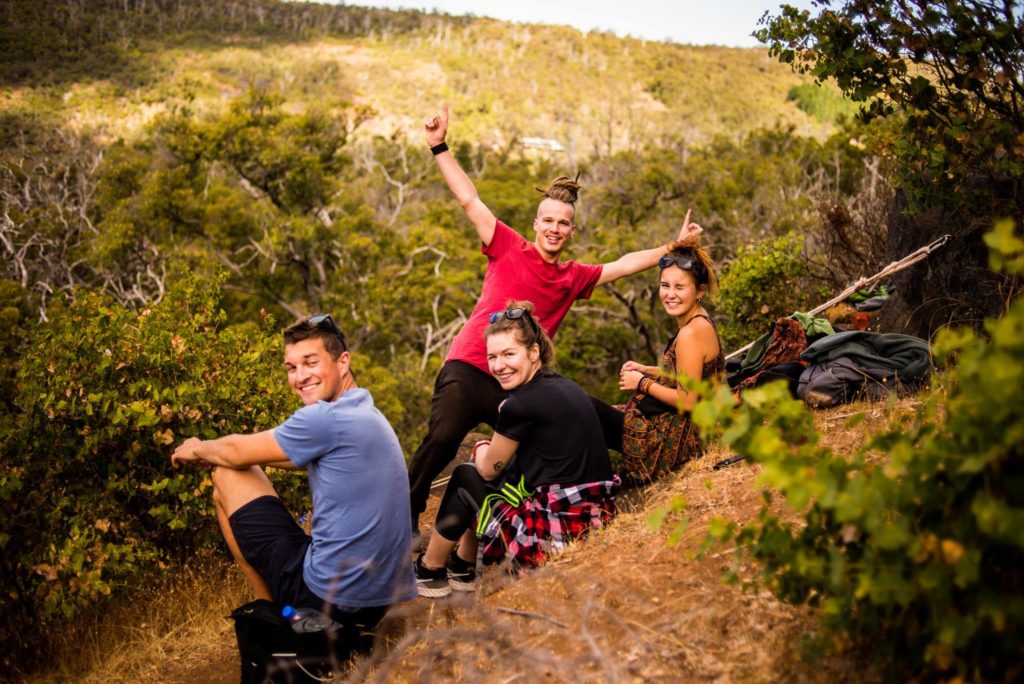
(359, 556)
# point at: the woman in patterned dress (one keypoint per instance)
(657, 433)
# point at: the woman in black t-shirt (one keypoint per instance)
(545, 478)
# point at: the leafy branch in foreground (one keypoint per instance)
(916, 541)
(952, 69)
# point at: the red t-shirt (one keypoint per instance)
(515, 270)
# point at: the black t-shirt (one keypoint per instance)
(559, 434)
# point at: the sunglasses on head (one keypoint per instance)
(513, 314)
(325, 320)
(684, 262)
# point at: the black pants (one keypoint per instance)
(611, 423)
(464, 397)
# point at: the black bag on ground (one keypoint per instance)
(272, 650)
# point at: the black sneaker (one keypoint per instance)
(461, 574)
(431, 583)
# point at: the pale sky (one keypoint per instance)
(695, 22)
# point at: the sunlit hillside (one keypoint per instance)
(593, 93)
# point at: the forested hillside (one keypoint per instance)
(180, 180)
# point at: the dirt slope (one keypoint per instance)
(623, 606)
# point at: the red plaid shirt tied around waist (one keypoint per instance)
(525, 527)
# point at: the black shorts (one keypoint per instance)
(274, 544)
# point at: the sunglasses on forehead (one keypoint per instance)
(322, 320)
(513, 314)
(687, 263)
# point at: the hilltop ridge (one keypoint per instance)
(593, 92)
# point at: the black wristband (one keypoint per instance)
(439, 148)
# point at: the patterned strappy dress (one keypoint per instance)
(655, 444)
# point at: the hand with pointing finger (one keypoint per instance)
(689, 233)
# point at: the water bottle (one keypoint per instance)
(308, 621)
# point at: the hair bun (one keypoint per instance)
(688, 242)
(519, 304)
(563, 189)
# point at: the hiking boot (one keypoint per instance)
(432, 583)
(461, 574)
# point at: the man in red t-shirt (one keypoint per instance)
(465, 393)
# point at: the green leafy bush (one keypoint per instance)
(765, 281)
(916, 542)
(88, 501)
(16, 313)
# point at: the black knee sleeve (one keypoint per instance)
(460, 502)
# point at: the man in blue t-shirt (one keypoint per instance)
(356, 562)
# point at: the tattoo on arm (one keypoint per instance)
(498, 465)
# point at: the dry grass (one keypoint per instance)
(178, 626)
(632, 608)
(624, 606)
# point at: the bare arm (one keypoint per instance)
(458, 182)
(631, 263)
(691, 345)
(634, 262)
(649, 371)
(232, 451)
(695, 343)
(492, 460)
(283, 465)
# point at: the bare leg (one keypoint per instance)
(232, 489)
(437, 552)
(468, 546)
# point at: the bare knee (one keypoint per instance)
(234, 488)
(222, 478)
(218, 483)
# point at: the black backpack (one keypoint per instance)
(273, 649)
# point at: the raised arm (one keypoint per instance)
(232, 451)
(634, 262)
(458, 182)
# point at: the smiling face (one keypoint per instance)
(678, 292)
(554, 226)
(312, 373)
(510, 361)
